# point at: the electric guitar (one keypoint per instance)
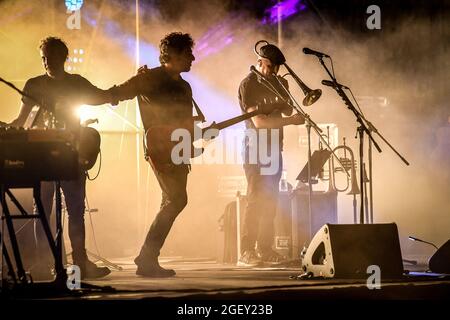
(159, 146)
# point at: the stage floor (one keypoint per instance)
(205, 279)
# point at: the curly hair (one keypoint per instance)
(174, 42)
(56, 44)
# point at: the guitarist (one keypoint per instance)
(262, 190)
(59, 94)
(165, 99)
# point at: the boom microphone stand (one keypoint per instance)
(362, 128)
(365, 126)
(311, 97)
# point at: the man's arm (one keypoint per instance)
(285, 108)
(97, 96)
(250, 101)
(127, 90)
(272, 121)
(26, 105)
(92, 95)
(23, 114)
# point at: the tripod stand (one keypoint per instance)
(365, 127)
(97, 256)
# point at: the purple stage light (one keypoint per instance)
(287, 8)
(217, 37)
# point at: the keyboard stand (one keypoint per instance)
(20, 275)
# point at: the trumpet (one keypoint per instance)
(311, 95)
(272, 52)
(349, 164)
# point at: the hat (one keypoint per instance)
(271, 52)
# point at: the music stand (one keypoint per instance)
(318, 160)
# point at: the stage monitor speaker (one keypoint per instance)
(440, 261)
(346, 250)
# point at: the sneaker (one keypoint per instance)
(152, 270)
(155, 271)
(249, 259)
(271, 257)
(90, 270)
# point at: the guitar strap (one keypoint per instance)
(200, 116)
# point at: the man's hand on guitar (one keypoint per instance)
(143, 69)
(268, 107)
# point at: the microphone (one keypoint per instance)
(333, 84)
(316, 53)
(258, 74)
(420, 240)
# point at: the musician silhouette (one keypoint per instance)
(165, 99)
(59, 94)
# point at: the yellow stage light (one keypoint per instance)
(85, 112)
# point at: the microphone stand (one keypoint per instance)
(362, 128)
(309, 123)
(372, 128)
(370, 183)
(9, 84)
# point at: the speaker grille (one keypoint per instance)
(355, 247)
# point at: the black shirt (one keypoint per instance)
(162, 99)
(61, 97)
(253, 93)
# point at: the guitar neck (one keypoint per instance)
(233, 121)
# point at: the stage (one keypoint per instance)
(354, 96)
(203, 279)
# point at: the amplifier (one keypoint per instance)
(293, 226)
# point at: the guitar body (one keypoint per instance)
(159, 145)
(89, 147)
